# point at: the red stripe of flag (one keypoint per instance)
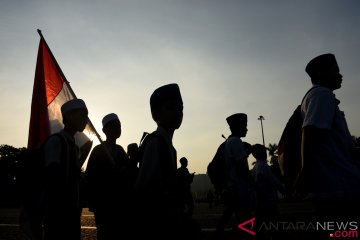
(50, 91)
(47, 85)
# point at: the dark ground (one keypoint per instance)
(206, 218)
(10, 230)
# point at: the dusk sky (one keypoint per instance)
(227, 56)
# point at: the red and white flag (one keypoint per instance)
(51, 90)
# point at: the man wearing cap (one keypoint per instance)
(267, 187)
(106, 177)
(333, 180)
(61, 155)
(238, 193)
(157, 186)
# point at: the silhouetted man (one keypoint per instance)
(266, 188)
(62, 209)
(238, 193)
(332, 177)
(185, 179)
(161, 215)
(106, 174)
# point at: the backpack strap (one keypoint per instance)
(299, 107)
(146, 139)
(308, 93)
(164, 151)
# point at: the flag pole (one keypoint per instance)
(67, 82)
(73, 93)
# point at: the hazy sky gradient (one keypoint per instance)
(226, 56)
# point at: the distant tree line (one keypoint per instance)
(10, 158)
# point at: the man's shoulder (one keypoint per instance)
(181, 170)
(120, 148)
(319, 96)
(233, 140)
(155, 137)
(155, 145)
(319, 92)
(97, 152)
(151, 144)
(261, 166)
(121, 152)
(98, 147)
(55, 139)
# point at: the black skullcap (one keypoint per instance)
(259, 151)
(163, 94)
(319, 63)
(237, 119)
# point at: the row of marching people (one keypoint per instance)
(146, 202)
(133, 194)
(124, 205)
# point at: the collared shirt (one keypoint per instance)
(333, 173)
(151, 176)
(235, 158)
(266, 183)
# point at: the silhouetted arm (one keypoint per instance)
(312, 139)
(318, 110)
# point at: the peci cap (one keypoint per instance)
(72, 105)
(108, 118)
(237, 119)
(169, 92)
(319, 63)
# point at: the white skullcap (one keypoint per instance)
(108, 118)
(72, 105)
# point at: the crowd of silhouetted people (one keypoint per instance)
(141, 192)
